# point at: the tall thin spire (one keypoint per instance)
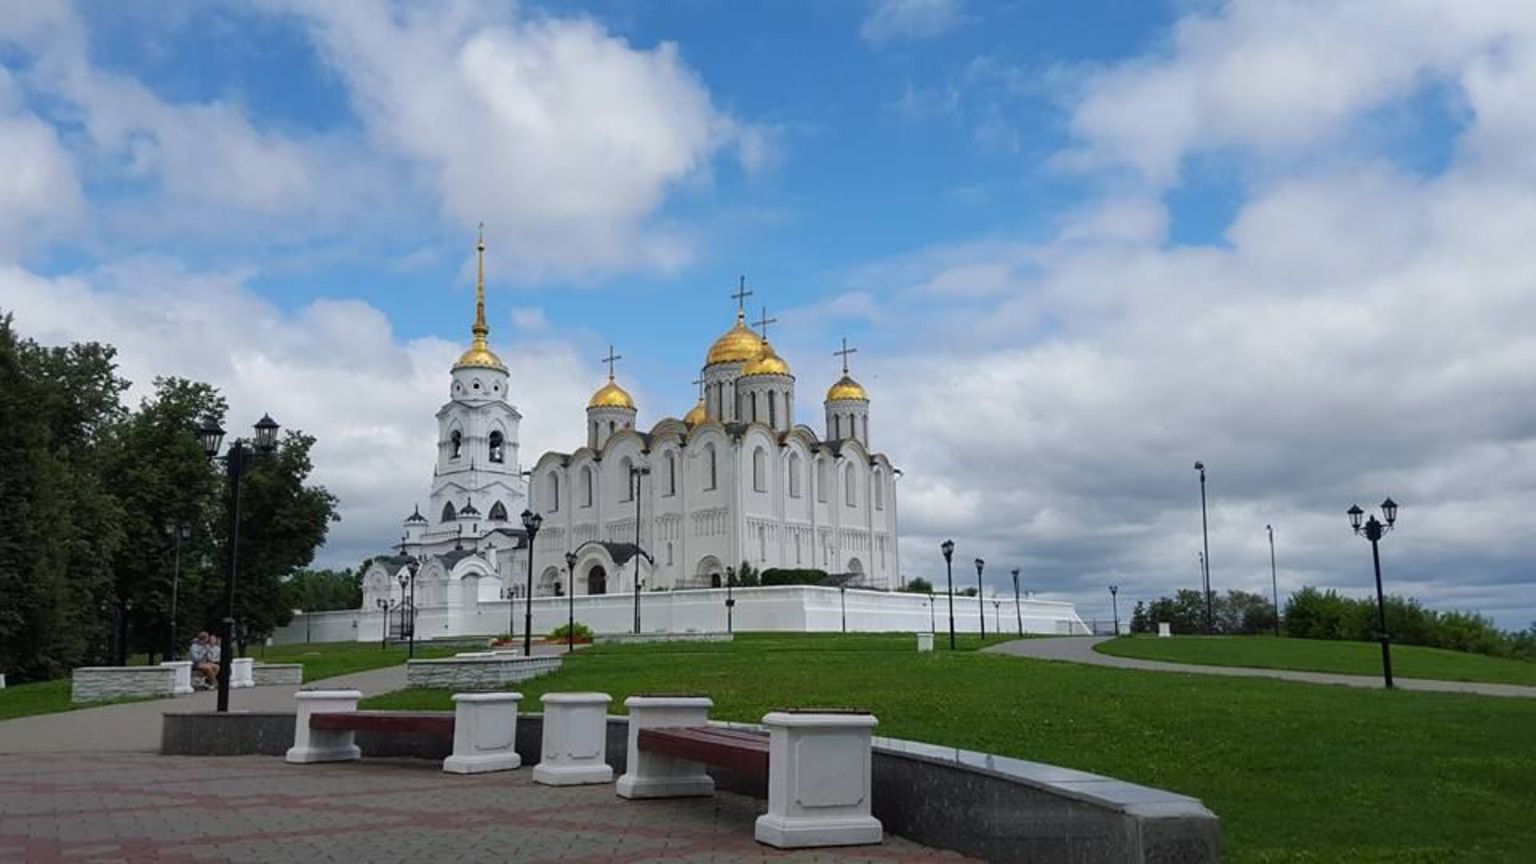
(480, 329)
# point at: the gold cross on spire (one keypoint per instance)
(740, 297)
(844, 354)
(610, 360)
(480, 330)
(763, 323)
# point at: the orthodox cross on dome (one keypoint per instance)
(763, 323)
(699, 382)
(610, 360)
(844, 354)
(480, 330)
(741, 296)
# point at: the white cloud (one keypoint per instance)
(39, 192)
(892, 20)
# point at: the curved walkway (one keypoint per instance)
(1079, 649)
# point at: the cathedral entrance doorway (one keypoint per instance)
(597, 580)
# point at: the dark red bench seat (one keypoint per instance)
(431, 723)
(736, 749)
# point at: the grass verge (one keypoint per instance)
(329, 659)
(1320, 655)
(1297, 772)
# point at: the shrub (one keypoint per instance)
(560, 633)
(777, 576)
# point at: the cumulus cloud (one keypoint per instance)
(39, 192)
(892, 20)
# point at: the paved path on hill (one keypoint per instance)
(143, 807)
(1079, 649)
(135, 726)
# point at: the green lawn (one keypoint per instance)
(328, 659)
(1320, 655)
(1297, 772)
(46, 697)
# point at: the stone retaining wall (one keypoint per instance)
(271, 674)
(636, 638)
(464, 674)
(98, 683)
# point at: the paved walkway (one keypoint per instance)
(135, 726)
(139, 807)
(1079, 649)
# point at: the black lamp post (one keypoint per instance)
(570, 604)
(1274, 583)
(1114, 604)
(842, 598)
(981, 606)
(236, 460)
(1205, 539)
(178, 532)
(408, 608)
(948, 548)
(385, 604)
(404, 579)
(531, 523)
(1373, 530)
(1017, 611)
(635, 473)
(730, 601)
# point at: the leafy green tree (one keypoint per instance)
(746, 576)
(917, 585)
(324, 590)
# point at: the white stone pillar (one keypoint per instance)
(322, 745)
(650, 775)
(484, 733)
(575, 747)
(818, 781)
(240, 674)
(183, 675)
(1164, 630)
(924, 642)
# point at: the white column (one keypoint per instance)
(484, 733)
(322, 745)
(240, 674)
(183, 675)
(654, 776)
(575, 746)
(818, 781)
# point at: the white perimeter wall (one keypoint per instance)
(780, 608)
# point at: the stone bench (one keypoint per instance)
(817, 765)
(483, 728)
(277, 674)
(99, 683)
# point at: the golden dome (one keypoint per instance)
(738, 345)
(696, 415)
(611, 395)
(480, 354)
(766, 363)
(846, 388)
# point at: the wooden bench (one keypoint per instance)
(735, 749)
(483, 728)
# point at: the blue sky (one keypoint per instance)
(1078, 245)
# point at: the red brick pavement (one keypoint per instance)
(143, 808)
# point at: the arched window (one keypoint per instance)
(850, 493)
(455, 444)
(866, 430)
(711, 475)
(611, 427)
(450, 514)
(879, 490)
(821, 480)
(496, 446)
(794, 475)
(837, 427)
(669, 554)
(762, 543)
(586, 485)
(554, 493)
(759, 470)
(671, 473)
(773, 409)
(754, 407)
(626, 470)
(498, 512)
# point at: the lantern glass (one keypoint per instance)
(211, 436)
(948, 548)
(979, 564)
(266, 433)
(1389, 510)
(1355, 515)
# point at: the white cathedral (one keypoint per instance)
(735, 480)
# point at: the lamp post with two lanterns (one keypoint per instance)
(981, 605)
(531, 523)
(948, 548)
(570, 603)
(236, 460)
(1372, 530)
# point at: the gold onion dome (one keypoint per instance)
(480, 353)
(611, 395)
(738, 345)
(846, 388)
(696, 415)
(766, 363)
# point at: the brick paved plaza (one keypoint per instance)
(144, 807)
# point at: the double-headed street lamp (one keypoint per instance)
(1372, 530)
(178, 532)
(635, 473)
(386, 605)
(730, 601)
(1205, 540)
(981, 605)
(236, 460)
(408, 603)
(570, 603)
(1114, 604)
(948, 548)
(531, 524)
(1018, 612)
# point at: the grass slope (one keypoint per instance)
(1319, 655)
(1297, 772)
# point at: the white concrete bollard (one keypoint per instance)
(651, 775)
(575, 747)
(1164, 630)
(818, 781)
(924, 642)
(183, 675)
(240, 674)
(484, 733)
(2, 680)
(322, 745)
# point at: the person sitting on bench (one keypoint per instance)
(204, 661)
